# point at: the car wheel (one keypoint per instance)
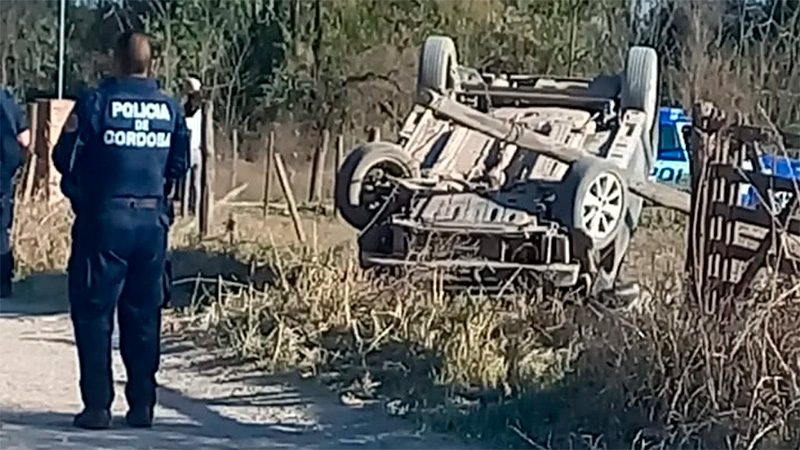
(593, 202)
(362, 183)
(640, 90)
(438, 66)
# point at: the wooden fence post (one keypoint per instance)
(337, 162)
(374, 134)
(268, 170)
(339, 153)
(33, 157)
(318, 169)
(185, 189)
(283, 179)
(209, 158)
(235, 159)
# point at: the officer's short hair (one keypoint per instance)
(133, 52)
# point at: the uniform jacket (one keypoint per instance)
(124, 139)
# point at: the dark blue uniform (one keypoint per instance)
(12, 123)
(122, 144)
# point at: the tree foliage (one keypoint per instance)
(349, 62)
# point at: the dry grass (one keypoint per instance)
(519, 370)
(529, 370)
(41, 236)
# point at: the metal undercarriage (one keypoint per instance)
(497, 175)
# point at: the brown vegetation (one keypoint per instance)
(519, 369)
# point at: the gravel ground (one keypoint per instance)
(206, 400)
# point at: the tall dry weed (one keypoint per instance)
(524, 367)
(41, 236)
(520, 368)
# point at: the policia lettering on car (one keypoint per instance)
(669, 175)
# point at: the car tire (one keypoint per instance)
(438, 66)
(592, 187)
(640, 91)
(350, 179)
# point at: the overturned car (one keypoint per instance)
(497, 174)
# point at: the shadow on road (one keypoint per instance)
(46, 293)
(37, 295)
(188, 264)
(54, 431)
(203, 406)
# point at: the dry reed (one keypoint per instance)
(519, 369)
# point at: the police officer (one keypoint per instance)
(124, 142)
(14, 135)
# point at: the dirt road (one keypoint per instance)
(206, 401)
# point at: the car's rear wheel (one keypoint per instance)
(640, 92)
(593, 201)
(438, 66)
(640, 87)
(363, 182)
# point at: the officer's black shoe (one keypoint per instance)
(6, 274)
(139, 417)
(93, 419)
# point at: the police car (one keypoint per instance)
(777, 166)
(672, 161)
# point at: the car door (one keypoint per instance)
(672, 160)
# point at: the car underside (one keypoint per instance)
(497, 174)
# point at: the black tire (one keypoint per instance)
(640, 87)
(583, 177)
(350, 177)
(640, 91)
(438, 61)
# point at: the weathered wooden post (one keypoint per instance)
(318, 169)
(33, 157)
(207, 177)
(235, 160)
(374, 134)
(53, 116)
(185, 187)
(703, 136)
(339, 153)
(268, 170)
(283, 179)
(337, 162)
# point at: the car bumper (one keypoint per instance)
(560, 274)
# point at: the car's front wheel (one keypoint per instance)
(363, 183)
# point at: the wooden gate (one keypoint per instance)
(736, 226)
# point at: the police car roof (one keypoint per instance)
(669, 115)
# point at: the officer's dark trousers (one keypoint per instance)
(6, 255)
(117, 260)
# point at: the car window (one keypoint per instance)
(686, 135)
(669, 145)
